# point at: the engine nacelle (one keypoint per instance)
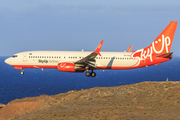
(69, 67)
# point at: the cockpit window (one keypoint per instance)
(14, 56)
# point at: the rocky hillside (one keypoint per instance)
(141, 101)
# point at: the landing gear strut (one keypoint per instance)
(88, 74)
(22, 72)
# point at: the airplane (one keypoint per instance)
(79, 61)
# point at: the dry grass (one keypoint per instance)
(146, 100)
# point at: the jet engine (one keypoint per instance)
(70, 67)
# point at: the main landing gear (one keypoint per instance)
(22, 72)
(88, 74)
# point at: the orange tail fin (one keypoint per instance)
(162, 44)
(159, 47)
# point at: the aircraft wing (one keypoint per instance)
(90, 59)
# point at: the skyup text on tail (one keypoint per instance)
(71, 61)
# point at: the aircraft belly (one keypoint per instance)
(119, 63)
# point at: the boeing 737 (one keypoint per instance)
(71, 61)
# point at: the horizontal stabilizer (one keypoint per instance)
(165, 55)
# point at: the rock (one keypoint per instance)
(2, 105)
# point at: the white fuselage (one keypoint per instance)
(50, 59)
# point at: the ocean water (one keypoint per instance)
(35, 82)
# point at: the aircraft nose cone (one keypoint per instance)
(7, 61)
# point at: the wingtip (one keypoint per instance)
(99, 48)
(176, 22)
(129, 49)
(101, 41)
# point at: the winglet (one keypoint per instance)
(129, 49)
(99, 48)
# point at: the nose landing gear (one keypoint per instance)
(92, 74)
(22, 72)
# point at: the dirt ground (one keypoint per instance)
(141, 101)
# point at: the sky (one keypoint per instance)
(73, 25)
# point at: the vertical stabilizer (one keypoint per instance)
(162, 44)
(160, 47)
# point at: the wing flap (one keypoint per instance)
(91, 64)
